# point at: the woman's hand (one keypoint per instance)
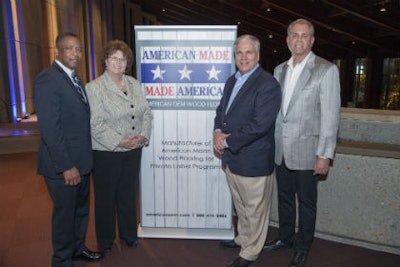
(132, 142)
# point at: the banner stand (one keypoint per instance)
(182, 71)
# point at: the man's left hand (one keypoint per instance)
(321, 166)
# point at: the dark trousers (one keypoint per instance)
(70, 218)
(115, 180)
(304, 184)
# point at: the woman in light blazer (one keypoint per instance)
(120, 125)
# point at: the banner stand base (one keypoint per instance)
(185, 233)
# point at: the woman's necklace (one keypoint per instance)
(122, 85)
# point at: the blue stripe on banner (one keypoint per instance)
(185, 73)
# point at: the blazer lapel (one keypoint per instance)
(110, 85)
(64, 75)
(244, 88)
(282, 79)
(229, 88)
(305, 76)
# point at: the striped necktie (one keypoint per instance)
(78, 86)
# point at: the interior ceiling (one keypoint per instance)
(356, 28)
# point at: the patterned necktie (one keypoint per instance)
(78, 86)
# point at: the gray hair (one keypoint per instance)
(246, 37)
(301, 21)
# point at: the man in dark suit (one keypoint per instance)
(65, 153)
(244, 139)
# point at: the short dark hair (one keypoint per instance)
(61, 36)
(118, 45)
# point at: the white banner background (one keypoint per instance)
(183, 191)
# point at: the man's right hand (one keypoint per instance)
(218, 141)
(72, 177)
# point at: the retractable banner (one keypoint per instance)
(183, 191)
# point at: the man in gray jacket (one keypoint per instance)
(305, 137)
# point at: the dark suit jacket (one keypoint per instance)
(251, 122)
(64, 122)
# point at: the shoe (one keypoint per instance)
(106, 251)
(299, 259)
(240, 262)
(275, 245)
(229, 244)
(131, 243)
(88, 255)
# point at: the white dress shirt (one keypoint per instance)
(292, 75)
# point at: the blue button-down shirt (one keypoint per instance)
(240, 80)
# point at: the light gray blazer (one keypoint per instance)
(115, 115)
(311, 123)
